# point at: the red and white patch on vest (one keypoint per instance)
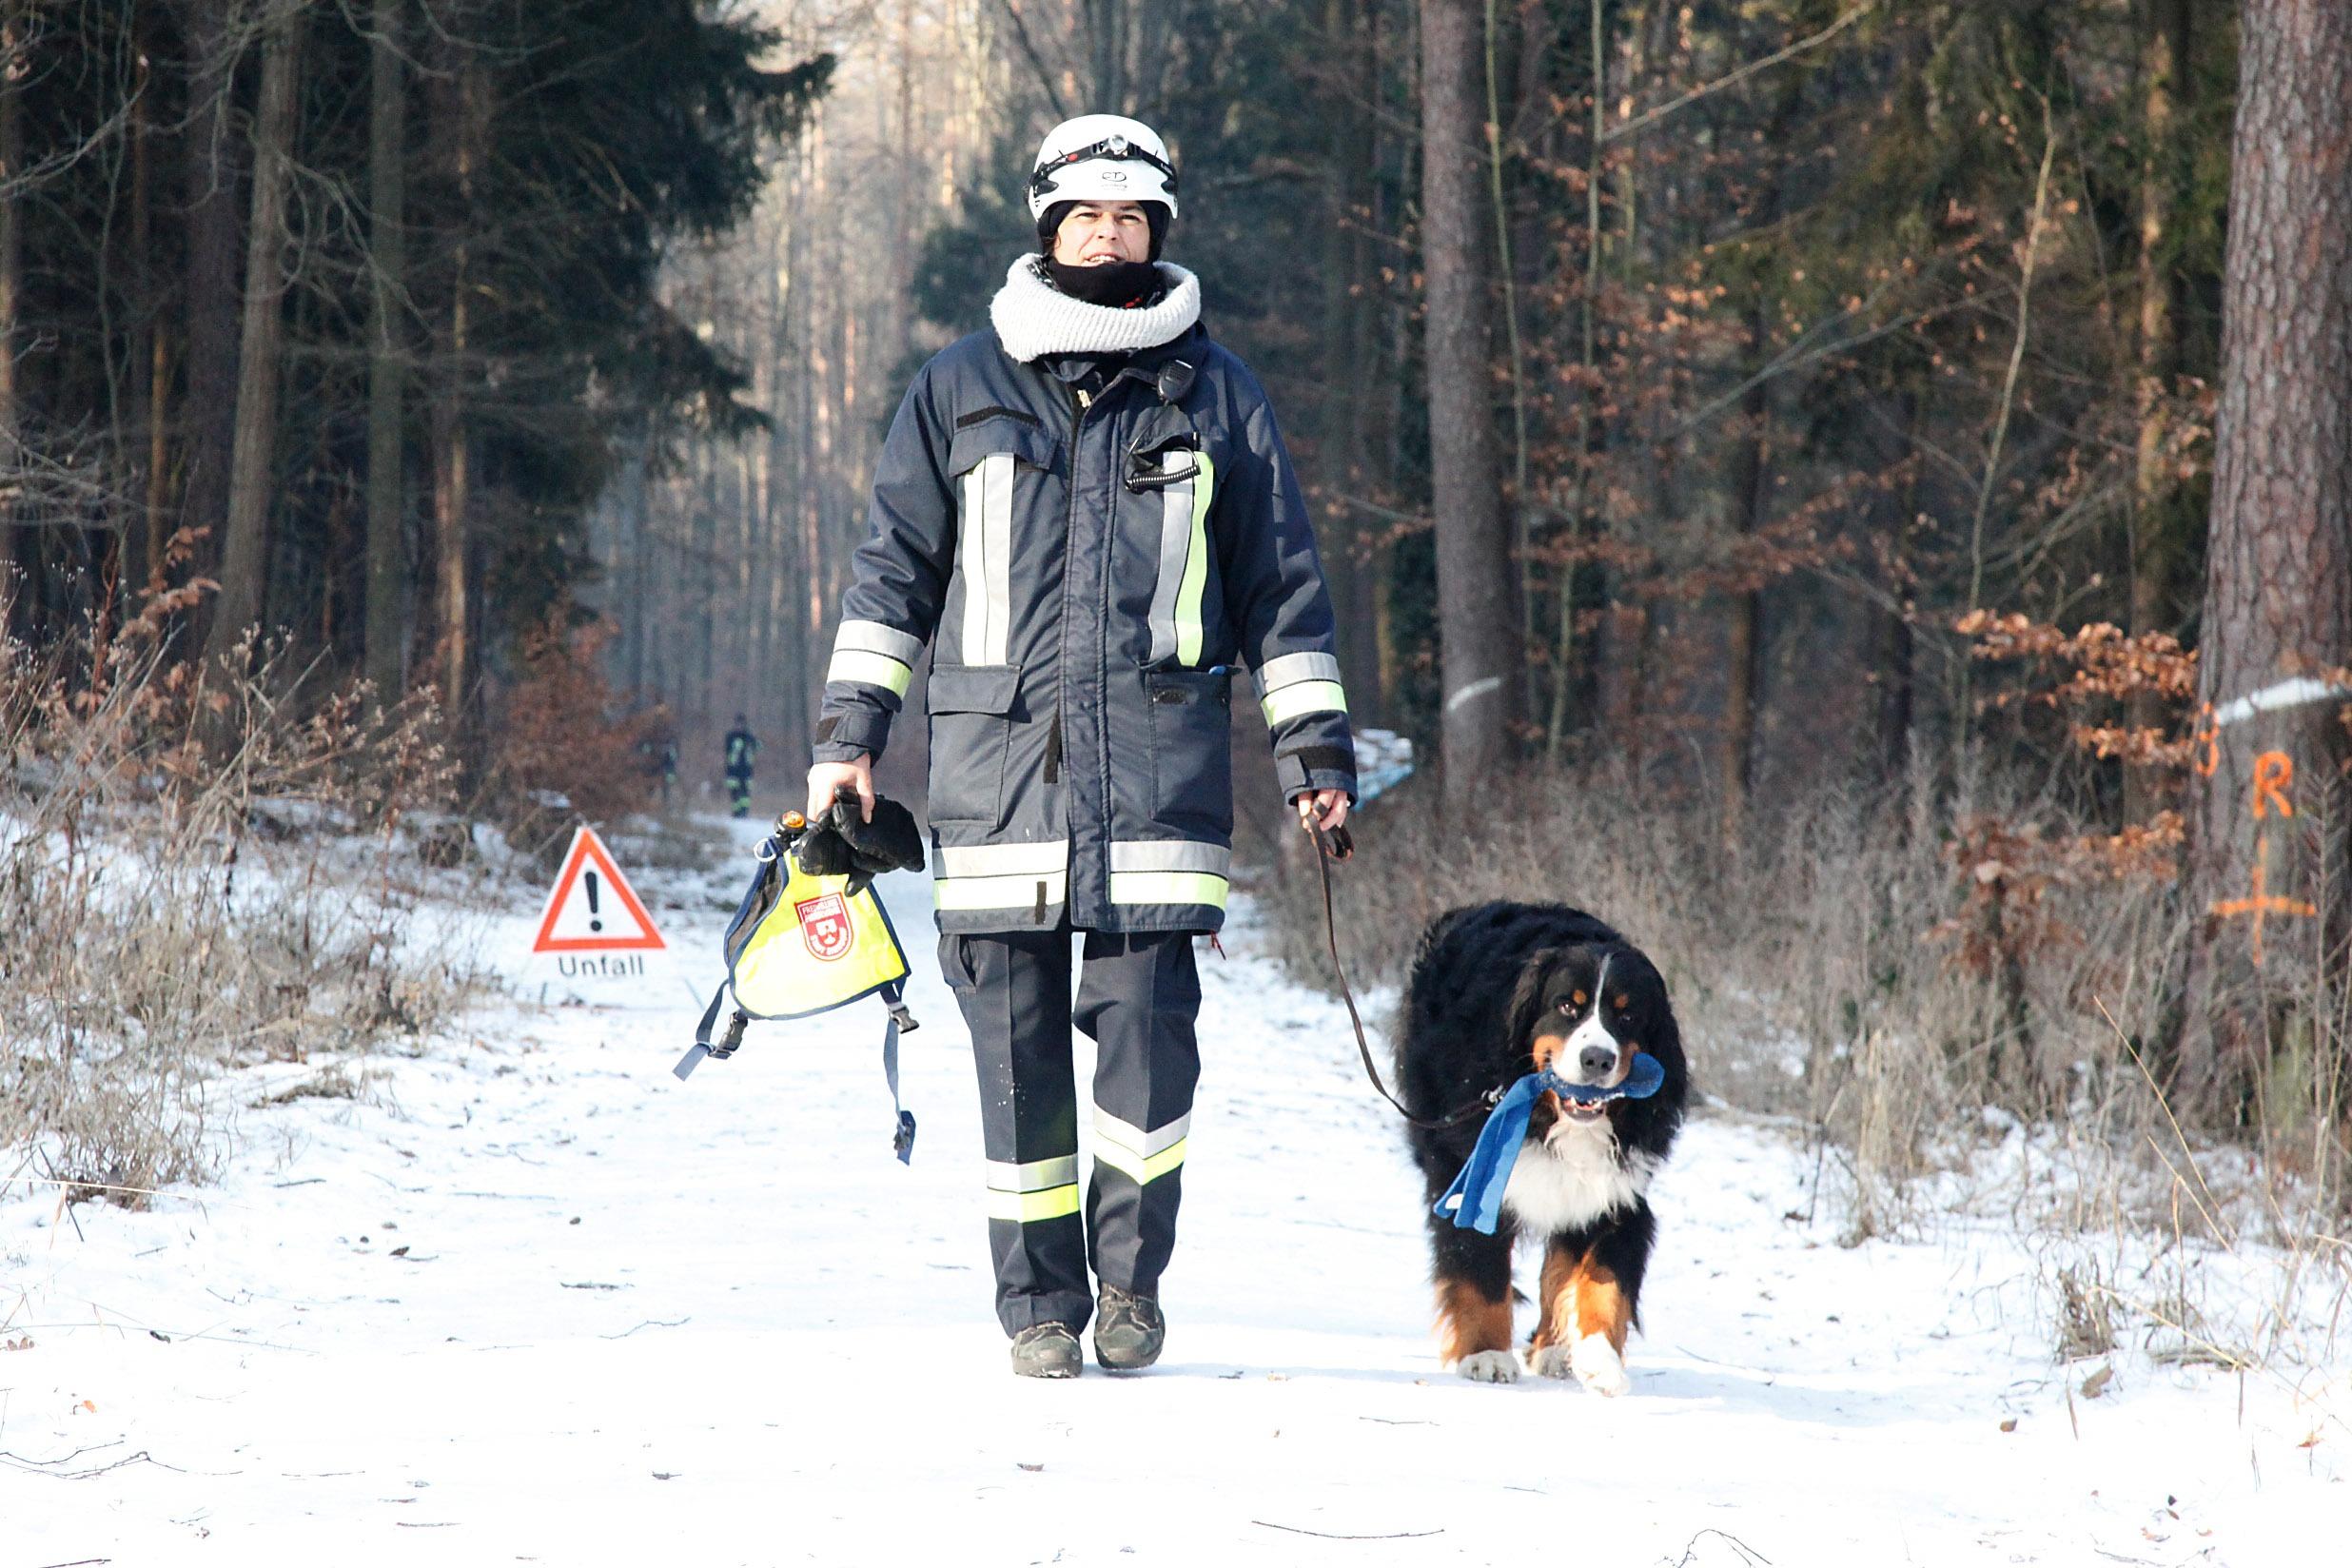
(825, 926)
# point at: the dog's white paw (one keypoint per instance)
(1551, 1361)
(1490, 1366)
(1598, 1367)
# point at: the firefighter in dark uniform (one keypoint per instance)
(1087, 514)
(742, 750)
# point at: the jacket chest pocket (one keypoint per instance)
(1175, 482)
(972, 720)
(995, 463)
(1191, 713)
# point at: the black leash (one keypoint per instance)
(1339, 844)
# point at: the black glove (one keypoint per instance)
(842, 842)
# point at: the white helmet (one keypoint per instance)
(1102, 158)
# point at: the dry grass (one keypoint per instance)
(197, 871)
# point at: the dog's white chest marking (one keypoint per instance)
(1572, 1177)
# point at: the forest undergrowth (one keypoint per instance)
(1957, 999)
(205, 866)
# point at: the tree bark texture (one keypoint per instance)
(387, 559)
(1351, 323)
(11, 276)
(1481, 659)
(2157, 545)
(2268, 874)
(458, 128)
(1743, 640)
(211, 296)
(244, 550)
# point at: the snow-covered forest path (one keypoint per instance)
(529, 1299)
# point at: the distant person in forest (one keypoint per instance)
(742, 750)
(1090, 509)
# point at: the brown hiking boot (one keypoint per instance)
(1129, 1329)
(1046, 1350)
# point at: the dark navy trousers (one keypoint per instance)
(1138, 998)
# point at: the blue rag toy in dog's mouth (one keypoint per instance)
(1475, 1200)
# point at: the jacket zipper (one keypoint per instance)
(1078, 404)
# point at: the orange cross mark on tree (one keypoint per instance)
(2261, 906)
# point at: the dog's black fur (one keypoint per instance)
(1488, 984)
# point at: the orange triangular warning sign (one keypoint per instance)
(591, 908)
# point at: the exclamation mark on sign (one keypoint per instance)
(594, 924)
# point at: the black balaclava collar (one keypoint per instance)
(1118, 284)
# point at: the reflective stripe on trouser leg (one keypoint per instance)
(1138, 996)
(739, 794)
(1014, 991)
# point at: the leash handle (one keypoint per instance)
(1339, 844)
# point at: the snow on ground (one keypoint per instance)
(531, 1300)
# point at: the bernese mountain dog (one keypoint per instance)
(1498, 992)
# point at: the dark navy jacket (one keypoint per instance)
(1098, 544)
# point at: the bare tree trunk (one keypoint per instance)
(1898, 651)
(2156, 543)
(1483, 659)
(245, 552)
(11, 280)
(457, 120)
(136, 443)
(1351, 327)
(2268, 851)
(387, 562)
(211, 304)
(1743, 642)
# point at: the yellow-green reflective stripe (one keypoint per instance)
(1029, 1207)
(1195, 582)
(1304, 696)
(871, 669)
(1168, 887)
(998, 893)
(1139, 1168)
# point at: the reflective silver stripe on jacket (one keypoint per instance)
(1300, 683)
(1002, 877)
(1144, 1156)
(984, 556)
(1175, 615)
(1169, 871)
(878, 655)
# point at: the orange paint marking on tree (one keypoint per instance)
(2273, 773)
(2262, 904)
(2208, 734)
